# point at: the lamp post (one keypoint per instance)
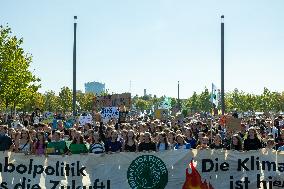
(74, 68)
(178, 98)
(222, 66)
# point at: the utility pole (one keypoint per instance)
(222, 66)
(74, 68)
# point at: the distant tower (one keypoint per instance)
(145, 92)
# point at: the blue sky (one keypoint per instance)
(153, 43)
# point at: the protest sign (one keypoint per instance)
(84, 119)
(161, 114)
(114, 100)
(232, 123)
(109, 113)
(177, 169)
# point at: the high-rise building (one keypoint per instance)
(95, 87)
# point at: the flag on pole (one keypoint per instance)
(214, 95)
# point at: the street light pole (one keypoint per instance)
(178, 98)
(222, 66)
(74, 68)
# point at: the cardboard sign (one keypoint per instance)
(115, 100)
(85, 119)
(232, 123)
(108, 113)
(161, 114)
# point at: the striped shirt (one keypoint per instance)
(97, 148)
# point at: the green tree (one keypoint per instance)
(192, 103)
(65, 99)
(86, 101)
(51, 102)
(142, 105)
(17, 82)
(204, 101)
(35, 101)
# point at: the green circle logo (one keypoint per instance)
(147, 172)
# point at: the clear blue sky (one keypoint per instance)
(153, 43)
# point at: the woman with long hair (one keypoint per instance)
(163, 143)
(171, 140)
(24, 144)
(217, 142)
(189, 137)
(236, 143)
(130, 144)
(39, 145)
(252, 142)
(181, 143)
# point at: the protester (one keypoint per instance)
(171, 140)
(189, 138)
(39, 146)
(236, 143)
(217, 143)
(130, 144)
(252, 142)
(280, 139)
(114, 144)
(97, 146)
(204, 144)
(162, 144)
(181, 143)
(140, 134)
(5, 139)
(24, 144)
(57, 146)
(147, 144)
(78, 145)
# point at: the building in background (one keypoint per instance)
(95, 87)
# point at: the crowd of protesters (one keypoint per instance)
(140, 134)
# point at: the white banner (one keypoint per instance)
(171, 170)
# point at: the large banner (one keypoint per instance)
(179, 169)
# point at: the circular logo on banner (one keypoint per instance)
(147, 172)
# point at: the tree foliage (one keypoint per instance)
(17, 83)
